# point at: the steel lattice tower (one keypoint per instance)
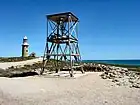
(62, 42)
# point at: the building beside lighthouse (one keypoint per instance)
(25, 46)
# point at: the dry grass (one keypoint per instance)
(14, 59)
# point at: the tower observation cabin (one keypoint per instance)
(62, 43)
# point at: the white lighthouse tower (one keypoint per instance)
(25, 46)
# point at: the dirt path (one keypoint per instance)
(86, 90)
(9, 64)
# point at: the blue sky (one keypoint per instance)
(108, 29)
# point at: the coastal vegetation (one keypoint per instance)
(15, 59)
(34, 69)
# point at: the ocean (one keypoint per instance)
(121, 62)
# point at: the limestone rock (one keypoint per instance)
(136, 85)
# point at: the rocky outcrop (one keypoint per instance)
(122, 76)
(93, 67)
(119, 75)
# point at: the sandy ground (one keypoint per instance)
(87, 90)
(9, 64)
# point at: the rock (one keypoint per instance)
(131, 81)
(84, 64)
(112, 75)
(125, 69)
(122, 72)
(115, 72)
(119, 84)
(138, 73)
(12, 67)
(99, 68)
(106, 72)
(138, 81)
(104, 77)
(18, 66)
(120, 76)
(136, 85)
(115, 80)
(127, 74)
(131, 78)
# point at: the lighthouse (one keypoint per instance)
(25, 46)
